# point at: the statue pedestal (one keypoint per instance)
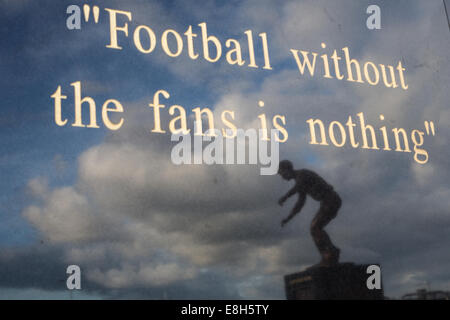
(343, 281)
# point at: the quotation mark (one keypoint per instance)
(429, 126)
(95, 12)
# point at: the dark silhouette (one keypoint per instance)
(310, 183)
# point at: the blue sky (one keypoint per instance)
(140, 227)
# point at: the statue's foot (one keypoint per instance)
(334, 256)
(329, 259)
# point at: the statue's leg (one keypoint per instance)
(327, 211)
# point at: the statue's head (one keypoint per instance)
(286, 169)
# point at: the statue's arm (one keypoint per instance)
(288, 195)
(296, 209)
